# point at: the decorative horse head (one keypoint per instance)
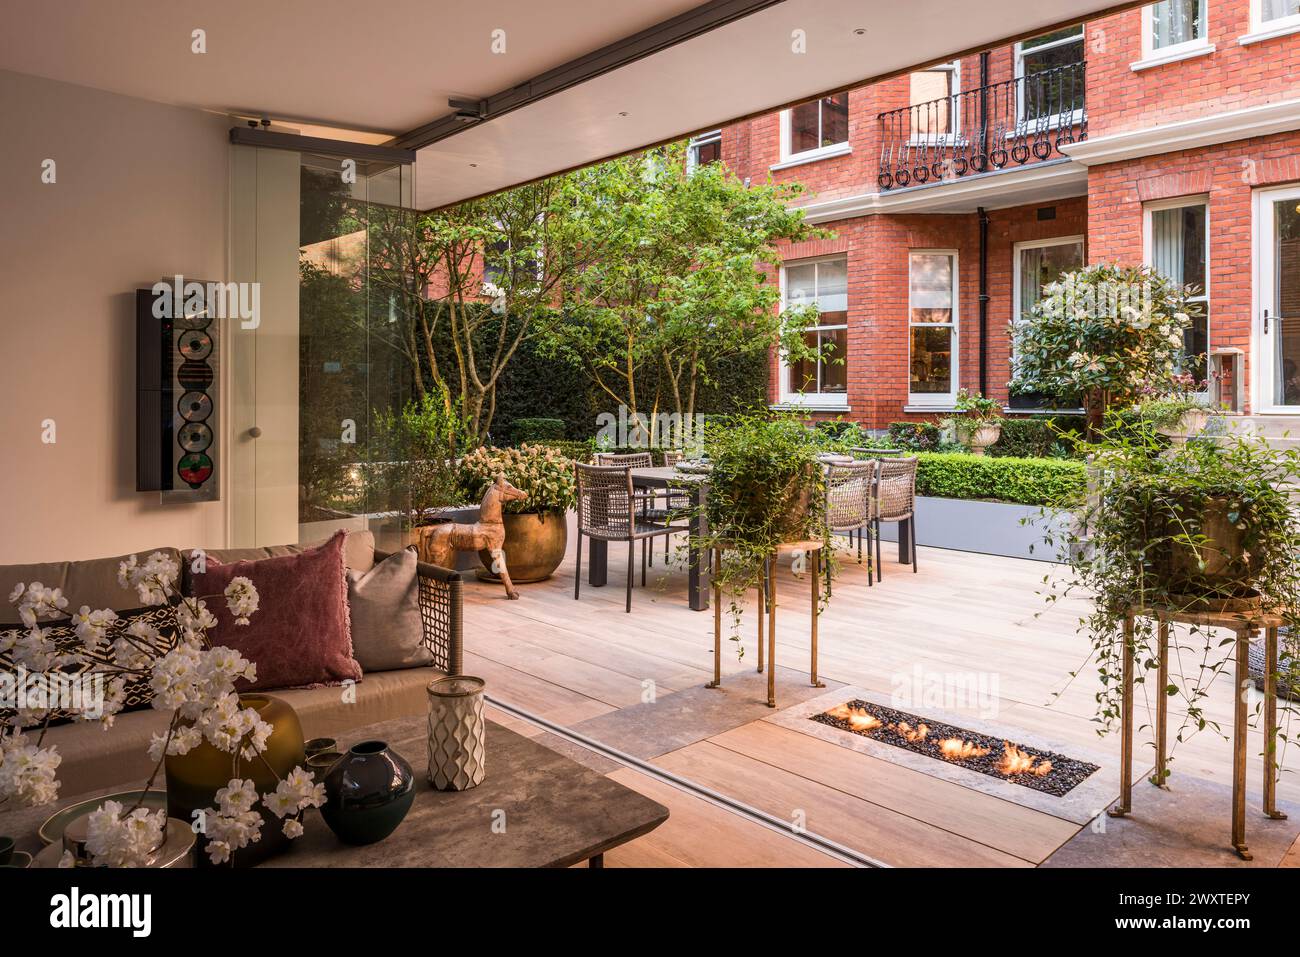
(498, 492)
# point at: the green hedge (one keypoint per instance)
(579, 450)
(1025, 481)
(536, 430)
(1039, 437)
(915, 436)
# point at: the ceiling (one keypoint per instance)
(390, 67)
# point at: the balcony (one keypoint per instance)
(1000, 126)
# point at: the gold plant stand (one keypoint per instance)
(1243, 625)
(767, 604)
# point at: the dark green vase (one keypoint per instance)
(368, 792)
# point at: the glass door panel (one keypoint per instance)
(1279, 247)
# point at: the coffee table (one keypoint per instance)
(535, 808)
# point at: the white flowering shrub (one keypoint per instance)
(544, 473)
(192, 679)
(1104, 333)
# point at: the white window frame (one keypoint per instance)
(1264, 277)
(807, 156)
(790, 396)
(1017, 268)
(1148, 254)
(953, 69)
(1261, 29)
(1074, 117)
(939, 400)
(1151, 56)
(692, 162)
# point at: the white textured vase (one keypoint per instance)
(456, 733)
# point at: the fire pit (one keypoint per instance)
(1029, 767)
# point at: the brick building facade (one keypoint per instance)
(1168, 134)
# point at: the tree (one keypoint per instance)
(1104, 333)
(681, 279)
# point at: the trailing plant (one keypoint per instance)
(1105, 333)
(541, 471)
(766, 487)
(1024, 481)
(1187, 528)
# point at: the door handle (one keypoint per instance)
(1266, 318)
(255, 432)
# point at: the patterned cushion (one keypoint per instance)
(138, 693)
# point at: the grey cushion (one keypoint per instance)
(385, 607)
(90, 582)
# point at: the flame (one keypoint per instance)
(912, 734)
(955, 749)
(859, 719)
(1016, 761)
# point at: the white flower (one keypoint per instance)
(241, 599)
(92, 626)
(292, 828)
(297, 792)
(26, 771)
(117, 841)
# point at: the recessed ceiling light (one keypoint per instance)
(622, 112)
(473, 165)
(860, 31)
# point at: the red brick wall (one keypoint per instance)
(1228, 174)
(1232, 77)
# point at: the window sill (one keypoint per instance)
(813, 156)
(1174, 57)
(1058, 121)
(937, 407)
(816, 405)
(1268, 33)
(1007, 410)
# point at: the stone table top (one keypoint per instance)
(535, 808)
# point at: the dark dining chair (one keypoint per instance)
(611, 510)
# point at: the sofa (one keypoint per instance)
(94, 758)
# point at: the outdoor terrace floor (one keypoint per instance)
(586, 664)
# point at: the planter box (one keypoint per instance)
(990, 528)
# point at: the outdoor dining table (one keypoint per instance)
(691, 484)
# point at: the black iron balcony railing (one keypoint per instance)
(1011, 123)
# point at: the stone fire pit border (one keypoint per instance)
(1083, 803)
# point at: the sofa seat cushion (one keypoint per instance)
(91, 582)
(95, 758)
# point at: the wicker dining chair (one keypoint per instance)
(850, 505)
(628, 460)
(658, 506)
(610, 510)
(896, 501)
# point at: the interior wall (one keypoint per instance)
(140, 192)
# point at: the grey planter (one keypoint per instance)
(990, 528)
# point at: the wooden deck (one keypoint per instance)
(577, 663)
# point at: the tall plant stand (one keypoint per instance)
(767, 604)
(1243, 625)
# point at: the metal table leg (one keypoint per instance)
(762, 611)
(714, 557)
(1125, 805)
(771, 632)
(1270, 726)
(815, 576)
(597, 562)
(1239, 746)
(1162, 710)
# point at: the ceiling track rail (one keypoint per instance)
(809, 838)
(686, 26)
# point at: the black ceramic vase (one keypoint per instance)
(368, 792)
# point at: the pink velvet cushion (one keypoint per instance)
(300, 633)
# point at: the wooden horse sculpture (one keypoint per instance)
(438, 544)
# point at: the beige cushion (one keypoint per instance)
(95, 758)
(358, 551)
(385, 608)
(91, 582)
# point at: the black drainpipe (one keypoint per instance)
(984, 300)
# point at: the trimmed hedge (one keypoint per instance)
(915, 436)
(580, 450)
(1025, 481)
(536, 430)
(1036, 438)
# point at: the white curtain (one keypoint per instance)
(1167, 239)
(1174, 21)
(1277, 9)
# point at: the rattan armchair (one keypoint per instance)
(896, 502)
(850, 504)
(610, 510)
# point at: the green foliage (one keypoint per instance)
(1164, 412)
(1023, 481)
(766, 487)
(425, 441)
(1178, 527)
(1039, 438)
(1104, 332)
(536, 429)
(976, 407)
(542, 471)
(915, 436)
(578, 450)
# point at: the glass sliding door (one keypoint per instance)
(1278, 292)
(319, 386)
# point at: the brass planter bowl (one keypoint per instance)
(534, 547)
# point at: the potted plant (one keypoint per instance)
(979, 424)
(537, 532)
(766, 488)
(1177, 413)
(1206, 526)
(1104, 333)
